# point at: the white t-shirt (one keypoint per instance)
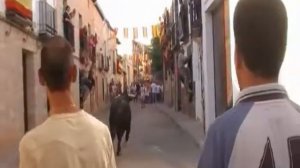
(143, 91)
(75, 140)
(157, 88)
(147, 91)
(153, 87)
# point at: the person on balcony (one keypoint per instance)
(87, 83)
(68, 25)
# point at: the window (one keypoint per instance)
(135, 33)
(145, 33)
(125, 33)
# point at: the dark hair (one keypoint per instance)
(68, 7)
(260, 29)
(56, 60)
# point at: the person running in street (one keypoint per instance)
(153, 92)
(262, 130)
(157, 93)
(70, 137)
(138, 89)
(143, 95)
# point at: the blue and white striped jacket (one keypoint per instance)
(262, 130)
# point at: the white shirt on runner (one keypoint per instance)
(153, 88)
(74, 140)
(143, 91)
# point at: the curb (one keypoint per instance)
(198, 143)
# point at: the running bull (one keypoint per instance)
(120, 118)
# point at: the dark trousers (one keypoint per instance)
(69, 32)
(153, 97)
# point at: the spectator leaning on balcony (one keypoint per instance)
(68, 25)
(70, 137)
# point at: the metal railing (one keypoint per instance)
(47, 19)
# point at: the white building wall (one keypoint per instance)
(59, 17)
(2, 7)
(197, 79)
(208, 62)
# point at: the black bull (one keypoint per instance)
(120, 119)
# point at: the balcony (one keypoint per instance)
(19, 12)
(47, 18)
(196, 18)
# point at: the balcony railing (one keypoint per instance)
(47, 18)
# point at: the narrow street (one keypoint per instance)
(156, 141)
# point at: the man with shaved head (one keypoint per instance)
(262, 130)
(70, 137)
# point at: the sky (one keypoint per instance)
(129, 13)
(132, 13)
(290, 71)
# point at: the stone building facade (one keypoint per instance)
(23, 102)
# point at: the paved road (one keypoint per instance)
(156, 142)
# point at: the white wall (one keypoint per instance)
(2, 7)
(290, 72)
(125, 48)
(208, 64)
(197, 80)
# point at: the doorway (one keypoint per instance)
(28, 89)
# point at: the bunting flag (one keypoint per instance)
(145, 33)
(135, 33)
(125, 30)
